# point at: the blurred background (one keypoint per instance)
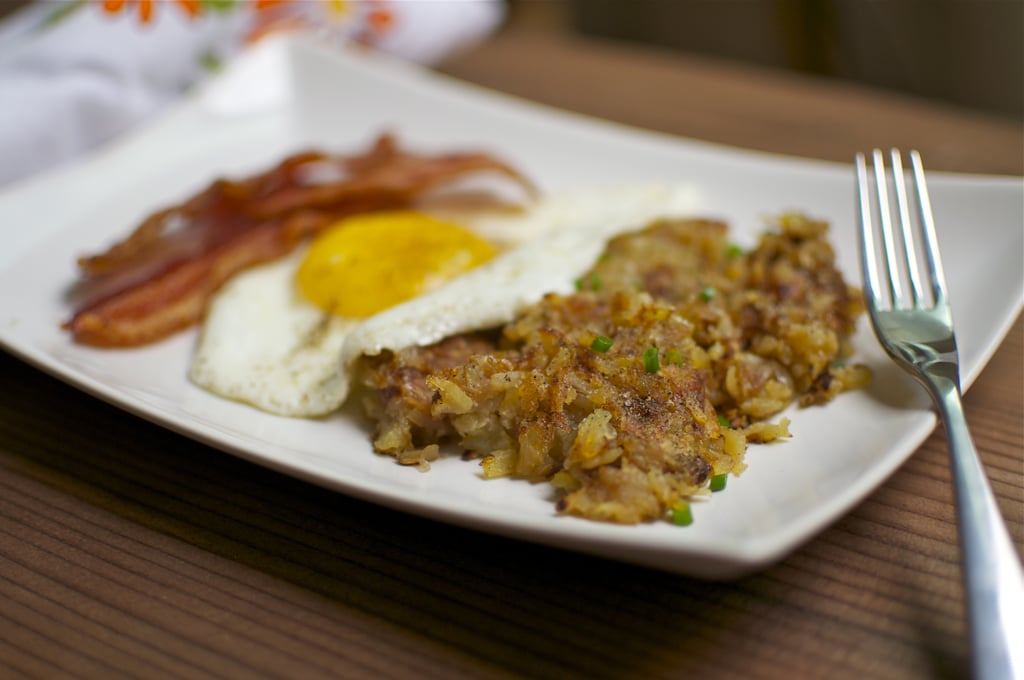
(964, 52)
(967, 53)
(76, 73)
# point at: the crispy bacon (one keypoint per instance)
(158, 280)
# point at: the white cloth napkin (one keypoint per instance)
(69, 86)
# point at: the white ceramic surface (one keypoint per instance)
(312, 97)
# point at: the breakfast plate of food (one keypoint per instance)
(487, 312)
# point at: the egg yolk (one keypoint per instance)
(366, 263)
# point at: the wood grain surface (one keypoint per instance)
(129, 551)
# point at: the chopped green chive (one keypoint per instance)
(718, 481)
(601, 343)
(579, 284)
(733, 251)
(682, 516)
(724, 422)
(594, 283)
(707, 294)
(651, 362)
(837, 365)
(674, 357)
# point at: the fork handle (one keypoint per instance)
(992, 573)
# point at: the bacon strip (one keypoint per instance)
(175, 300)
(158, 280)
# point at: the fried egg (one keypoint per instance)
(284, 337)
(272, 334)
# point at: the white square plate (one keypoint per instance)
(287, 96)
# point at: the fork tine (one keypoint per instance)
(868, 261)
(906, 227)
(888, 236)
(931, 242)
(891, 254)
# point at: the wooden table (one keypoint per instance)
(128, 550)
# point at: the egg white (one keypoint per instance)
(263, 344)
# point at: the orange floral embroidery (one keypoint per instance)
(380, 19)
(147, 8)
(377, 21)
(191, 7)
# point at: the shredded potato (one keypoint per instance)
(629, 395)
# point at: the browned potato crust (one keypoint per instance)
(705, 343)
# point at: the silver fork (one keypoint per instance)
(905, 291)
